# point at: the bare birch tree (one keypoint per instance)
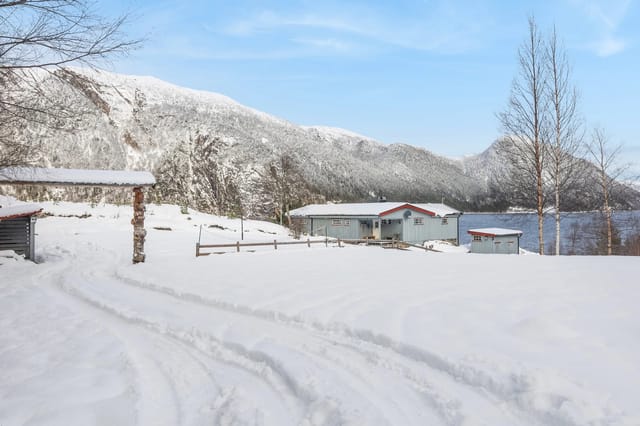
(525, 123)
(42, 36)
(566, 135)
(280, 180)
(605, 157)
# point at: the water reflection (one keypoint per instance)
(573, 226)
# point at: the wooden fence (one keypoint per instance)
(237, 245)
(274, 244)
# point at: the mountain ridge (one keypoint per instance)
(210, 152)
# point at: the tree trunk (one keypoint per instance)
(540, 208)
(607, 210)
(139, 233)
(557, 211)
(609, 233)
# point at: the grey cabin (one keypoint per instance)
(413, 223)
(495, 240)
(17, 229)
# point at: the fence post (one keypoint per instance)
(275, 244)
(308, 243)
(326, 241)
(197, 249)
(339, 243)
(238, 246)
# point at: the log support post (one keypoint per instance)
(139, 233)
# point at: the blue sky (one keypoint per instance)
(427, 73)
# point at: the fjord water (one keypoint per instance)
(628, 222)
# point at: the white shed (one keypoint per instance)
(495, 240)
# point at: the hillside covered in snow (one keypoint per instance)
(212, 153)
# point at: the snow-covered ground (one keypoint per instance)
(306, 336)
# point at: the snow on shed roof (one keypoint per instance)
(494, 232)
(19, 210)
(45, 176)
(369, 209)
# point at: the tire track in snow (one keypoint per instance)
(514, 390)
(149, 344)
(319, 406)
(373, 352)
(316, 406)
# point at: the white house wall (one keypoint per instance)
(431, 229)
(348, 229)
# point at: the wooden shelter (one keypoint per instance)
(137, 180)
(17, 228)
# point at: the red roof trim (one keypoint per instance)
(19, 215)
(486, 234)
(407, 206)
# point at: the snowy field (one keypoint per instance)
(307, 336)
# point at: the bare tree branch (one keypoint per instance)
(38, 37)
(566, 134)
(606, 159)
(525, 123)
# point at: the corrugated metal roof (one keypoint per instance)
(49, 176)
(368, 209)
(494, 232)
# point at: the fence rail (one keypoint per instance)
(397, 244)
(275, 245)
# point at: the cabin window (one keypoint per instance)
(346, 222)
(477, 238)
(336, 222)
(418, 221)
(445, 221)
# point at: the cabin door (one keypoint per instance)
(376, 229)
(366, 229)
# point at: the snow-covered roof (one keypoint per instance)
(494, 232)
(18, 210)
(47, 176)
(370, 209)
(439, 209)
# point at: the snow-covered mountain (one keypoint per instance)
(210, 152)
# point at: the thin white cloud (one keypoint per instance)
(330, 44)
(442, 27)
(608, 46)
(606, 16)
(268, 21)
